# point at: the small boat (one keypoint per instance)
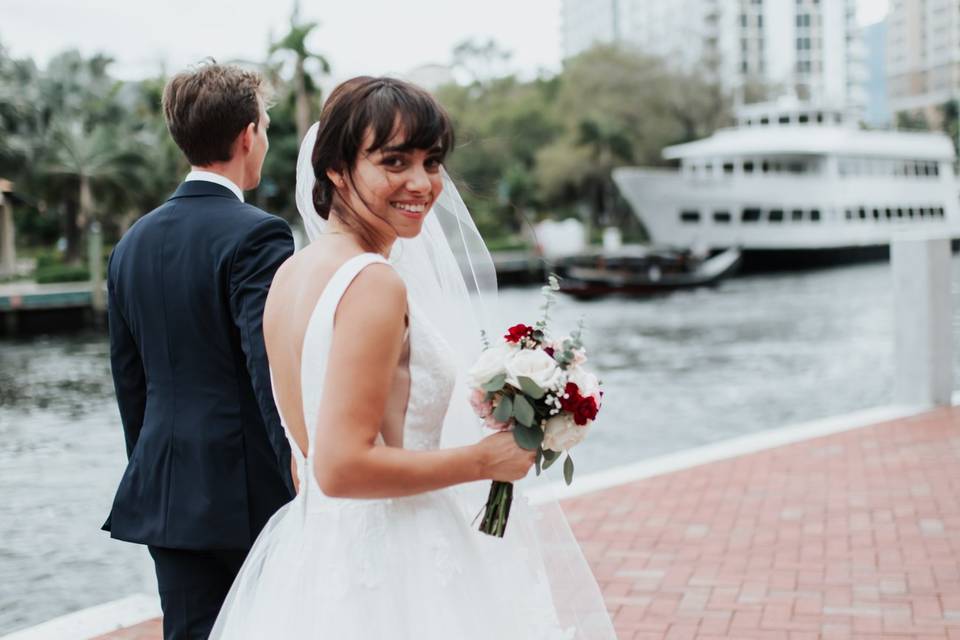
(643, 272)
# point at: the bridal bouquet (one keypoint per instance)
(537, 387)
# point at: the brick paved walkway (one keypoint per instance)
(854, 535)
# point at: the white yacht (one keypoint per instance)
(795, 184)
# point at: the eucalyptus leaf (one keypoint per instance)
(504, 410)
(528, 439)
(495, 384)
(531, 388)
(523, 411)
(539, 459)
(568, 469)
(549, 460)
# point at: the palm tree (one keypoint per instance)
(304, 87)
(88, 163)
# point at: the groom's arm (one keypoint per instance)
(129, 380)
(257, 259)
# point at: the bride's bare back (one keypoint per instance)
(293, 296)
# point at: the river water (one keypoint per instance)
(680, 371)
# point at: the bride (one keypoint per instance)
(368, 331)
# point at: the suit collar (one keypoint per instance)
(198, 188)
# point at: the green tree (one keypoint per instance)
(305, 89)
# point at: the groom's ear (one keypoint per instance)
(247, 137)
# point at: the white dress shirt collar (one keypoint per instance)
(216, 178)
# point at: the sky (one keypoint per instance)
(357, 37)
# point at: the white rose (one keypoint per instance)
(536, 365)
(561, 433)
(588, 383)
(491, 363)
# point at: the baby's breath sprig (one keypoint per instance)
(484, 340)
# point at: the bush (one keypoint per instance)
(61, 273)
(48, 258)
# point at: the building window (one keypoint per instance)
(690, 217)
(721, 217)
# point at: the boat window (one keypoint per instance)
(750, 215)
(911, 212)
(728, 167)
(775, 215)
(803, 118)
(748, 166)
(876, 214)
(889, 213)
(795, 167)
(765, 166)
(848, 214)
(819, 117)
(815, 215)
(862, 213)
(721, 217)
(764, 120)
(936, 169)
(940, 211)
(689, 217)
(922, 212)
(784, 119)
(899, 212)
(796, 215)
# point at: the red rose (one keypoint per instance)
(586, 411)
(569, 404)
(518, 332)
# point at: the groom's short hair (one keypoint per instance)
(206, 107)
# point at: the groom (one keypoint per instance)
(208, 461)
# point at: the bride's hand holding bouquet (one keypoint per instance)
(537, 388)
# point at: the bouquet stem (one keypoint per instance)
(497, 511)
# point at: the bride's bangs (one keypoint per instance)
(403, 109)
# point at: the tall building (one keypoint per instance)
(813, 48)
(923, 55)
(878, 105)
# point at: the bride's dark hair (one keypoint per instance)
(384, 106)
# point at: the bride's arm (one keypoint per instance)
(367, 338)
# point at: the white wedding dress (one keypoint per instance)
(412, 567)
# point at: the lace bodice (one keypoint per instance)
(432, 369)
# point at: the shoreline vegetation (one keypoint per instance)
(79, 148)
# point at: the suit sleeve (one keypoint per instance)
(126, 365)
(258, 257)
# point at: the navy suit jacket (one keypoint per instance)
(208, 463)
